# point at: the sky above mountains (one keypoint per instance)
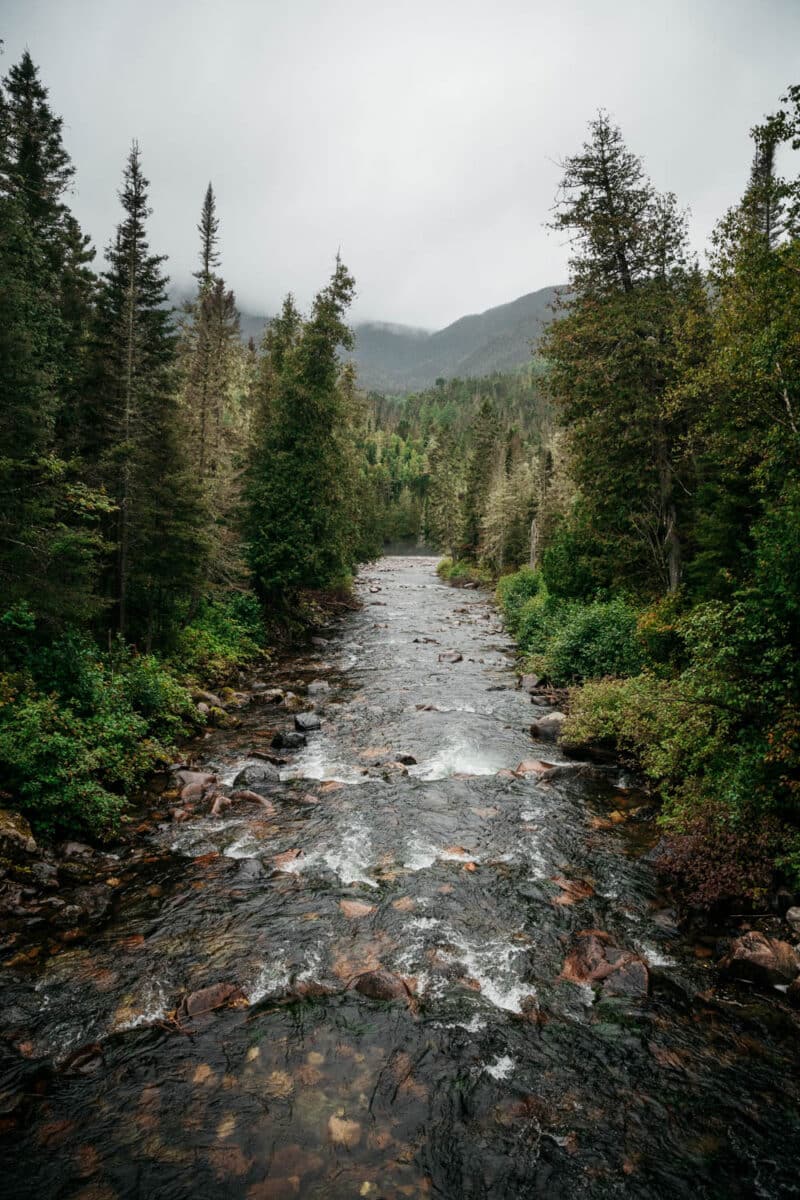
(422, 139)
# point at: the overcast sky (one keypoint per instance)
(421, 137)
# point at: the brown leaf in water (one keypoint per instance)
(469, 866)
(88, 1161)
(572, 890)
(404, 904)
(343, 1132)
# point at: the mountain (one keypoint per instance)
(400, 358)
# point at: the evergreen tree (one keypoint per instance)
(301, 526)
(484, 438)
(160, 551)
(633, 318)
(444, 514)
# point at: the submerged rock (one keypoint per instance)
(209, 999)
(382, 985)
(291, 740)
(761, 959)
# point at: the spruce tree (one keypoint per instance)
(160, 551)
(301, 524)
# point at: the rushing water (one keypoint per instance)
(495, 1078)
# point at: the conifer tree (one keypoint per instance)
(160, 551)
(300, 521)
(482, 466)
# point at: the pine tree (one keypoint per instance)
(209, 237)
(484, 437)
(444, 513)
(160, 551)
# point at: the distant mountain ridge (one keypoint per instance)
(399, 358)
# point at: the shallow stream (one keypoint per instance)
(493, 1077)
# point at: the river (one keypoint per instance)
(490, 1076)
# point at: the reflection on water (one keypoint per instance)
(396, 849)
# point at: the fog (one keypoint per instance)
(422, 139)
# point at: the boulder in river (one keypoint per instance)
(382, 985)
(290, 740)
(547, 729)
(761, 959)
(529, 683)
(256, 775)
(451, 656)
(532, 766)
(307, 722)
(594, 959)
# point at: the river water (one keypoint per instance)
(493, 1077)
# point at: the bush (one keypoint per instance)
(225, 633)
(79, 731)
(462, 571)
(593, 640)
(574, 565)
(512, 593)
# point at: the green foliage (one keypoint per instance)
(512, 593)
(594, 640)
(573, 565)
(80, 730)
(226, 632)
(461, 572)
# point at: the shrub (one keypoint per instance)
(593, 640)
(225, 633)
(461, 571)
(512, 593)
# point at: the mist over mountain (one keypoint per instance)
(400, 358)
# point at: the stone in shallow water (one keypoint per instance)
(307, 722)
(761, 959)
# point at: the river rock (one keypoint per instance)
(318, 687)
(288, 741)
(184, 777)
(529, 683)
(382, 985)
(532, 766)
(355, 909)
(307, 722)
(451, 656)
(209, 698)
(206, 1000)
(548, 728)
(761, 959)
(594, 959)
(16, 831)
(407, 760)
(256, 775)
(792, 919)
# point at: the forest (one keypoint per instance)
(175, 501)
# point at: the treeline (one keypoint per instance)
(162, 485)
(436, 457)
(666, 568)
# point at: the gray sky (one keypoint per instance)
(421, 137)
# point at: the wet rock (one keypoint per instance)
(84, 1061)
(307, 723)
(268, 695)
(209, 698)
(15, 831)
(393, 768)
(288, 741)
(185, 777)
(256, 775)
(572, 890)
(761, 959)
(382, 985)
(203, 708)
(221, 802)
(250, 868)
(320, 641)
(407, 760)
(451, 656)
(594, 959)
(792, 919)
(76, 850)
(197, 791)
(318, 687)
(529, 683)
(548, 728)
(288, 856)
(209, 999)
(532, 766)
(254, 798)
